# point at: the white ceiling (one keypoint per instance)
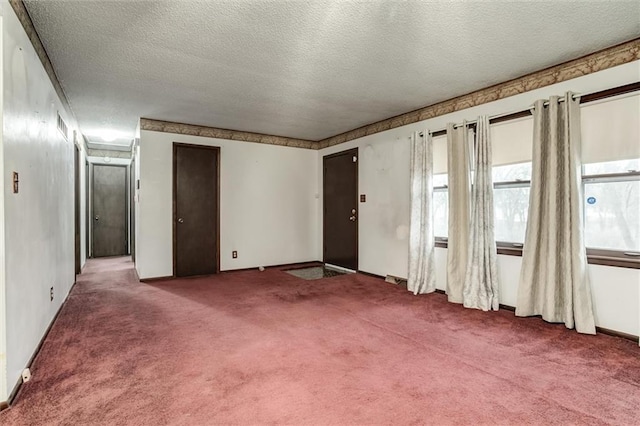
(303, 69)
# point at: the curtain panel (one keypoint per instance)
(458, 153)
(421, 278)
(554, 280)
(481, 282)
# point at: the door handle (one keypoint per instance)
(97, 217)
(180, 220)
(352, 218)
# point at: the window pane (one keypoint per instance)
(622, 166)
(510, 209)
(512, 172)
(440, 179)
(612, 215)
(441, 213)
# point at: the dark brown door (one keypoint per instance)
(340, 183)
(196, 210)
(109, 211)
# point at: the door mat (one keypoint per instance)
(315, 272)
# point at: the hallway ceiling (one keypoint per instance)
(303, 69)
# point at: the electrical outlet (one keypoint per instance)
(234, 254)
(51, 293)
(16, 183)
(26, 375)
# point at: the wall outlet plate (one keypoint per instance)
(26, 375)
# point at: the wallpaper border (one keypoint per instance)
(214, 132)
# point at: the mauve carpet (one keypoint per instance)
(269, 348)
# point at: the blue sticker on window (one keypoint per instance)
(591, 200)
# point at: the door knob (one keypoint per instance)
(180, 220)
(352, 218)
(97, 217)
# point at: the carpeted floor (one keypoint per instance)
(270, 348)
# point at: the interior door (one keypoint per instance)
(196, 210)
(109, 236)
(340, 188)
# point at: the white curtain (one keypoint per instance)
(554, 280)
(481, 282)
(421, 277)
(459, 206)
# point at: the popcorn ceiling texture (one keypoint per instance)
(598, 61)
(314, 70)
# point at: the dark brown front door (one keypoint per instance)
(109, 236)
(340, 183)
(196, 210)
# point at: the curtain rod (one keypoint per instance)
(585, 98)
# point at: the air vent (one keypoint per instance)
(62, 127)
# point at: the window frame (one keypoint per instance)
(615, 258)
(510, 247)
(608, 257)
(441, 242)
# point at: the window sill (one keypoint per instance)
(618, 262)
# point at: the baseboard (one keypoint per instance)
(600, 330)
(370, 274)
(296, 265)
(620, 334)
(14, 392)
(154, 279)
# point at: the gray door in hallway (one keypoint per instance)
(109, 221)
(196, 211)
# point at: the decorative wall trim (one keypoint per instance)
(214, 132)
(598, 61)
(23, 16)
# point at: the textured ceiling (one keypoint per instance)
(303, 69)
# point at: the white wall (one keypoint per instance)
(83, 203)
(268, 203)
(384, 217)
(39, 220)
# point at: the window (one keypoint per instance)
(440, 207)
(611, 178)
(612, 206)
(511, 203)
(512, 145)
(610, 130)
(440, 189)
